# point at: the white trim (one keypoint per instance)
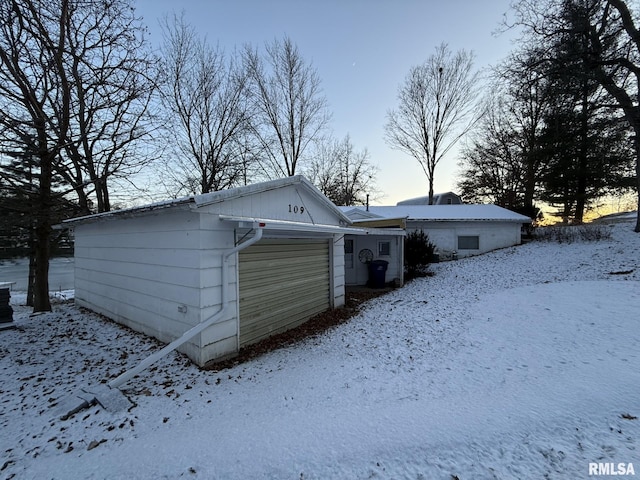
(257, 188)
(287, 225)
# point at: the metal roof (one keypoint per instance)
(198, 201)
(437, 213)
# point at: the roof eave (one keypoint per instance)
(127, 212)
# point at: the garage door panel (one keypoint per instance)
(304, 259)
(303, 266)
(255, 329)
(268, 301)
(287, 314)
(285, 288)
(282, 284)
(279, 250)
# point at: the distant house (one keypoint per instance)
(447, 198)
(456, 230)
(250, 262)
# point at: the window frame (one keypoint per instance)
(469, 242)
(380, 249)
(348, 245)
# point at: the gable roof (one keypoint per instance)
(437, 213)
(438, 199)
(203, 200)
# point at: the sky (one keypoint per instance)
(362, 51)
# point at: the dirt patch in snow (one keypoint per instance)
(354, 298)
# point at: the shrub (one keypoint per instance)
(418, 252)
(571, 234)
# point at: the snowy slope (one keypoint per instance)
(521, 363)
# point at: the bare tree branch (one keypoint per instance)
(437, 106)
(290, 109)
(204, 92)
(344, 175)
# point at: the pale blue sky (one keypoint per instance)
(362, 51)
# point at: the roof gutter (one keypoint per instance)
(291, 226)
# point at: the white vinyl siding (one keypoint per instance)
(283, 283)
(152, 274)
(159, 269)
(487, 235)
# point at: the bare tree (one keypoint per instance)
(112, 79)
(344, 175)
(204, 93)
(492, 161)
(437, 106)
(73, 92)
(19, 195)
(290, 109)
(34, 86)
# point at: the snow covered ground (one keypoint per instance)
(522, 363)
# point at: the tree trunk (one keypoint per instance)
(41, 301)
(529, 187)
(32, 272)
(583, 166)
(431, 170)
(637, 145)
(102, 193)
(83, 200)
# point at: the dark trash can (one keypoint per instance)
(377, 273)
(6, 312)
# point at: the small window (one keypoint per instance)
(348, 246)
(384, 249)
(469, 242)
(348, 253)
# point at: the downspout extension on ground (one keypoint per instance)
(109, 396)
(189, 334)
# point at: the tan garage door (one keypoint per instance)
(283, 283)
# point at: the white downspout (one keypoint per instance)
(192, 332)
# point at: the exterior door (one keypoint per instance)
(349, 262)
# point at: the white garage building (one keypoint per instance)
(251, 262)
(461, 230)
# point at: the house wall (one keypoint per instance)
(448, 199)
(290, 204)
(395, 269)
(159, 274)
(492, 235)
(221, 339)
(296, 205)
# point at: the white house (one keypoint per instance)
(240, 264)
(461, 230)
(447, 198)
(387, 245)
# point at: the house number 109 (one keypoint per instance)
(295, 209)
